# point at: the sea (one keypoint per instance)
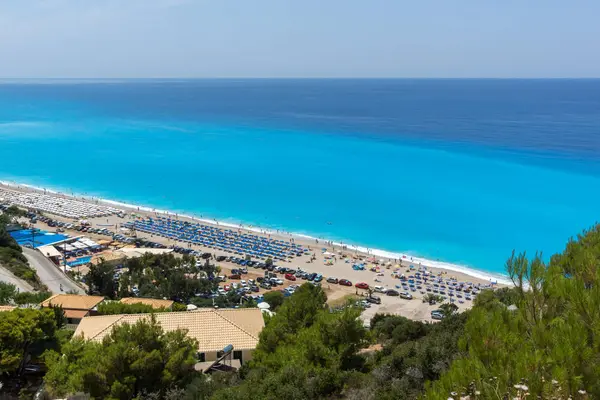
(458, 172)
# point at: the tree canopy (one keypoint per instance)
(133, 361)
(153, 276)
(24, 333)
(549, 343)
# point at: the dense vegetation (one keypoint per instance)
(11, 254)
(115, 307)
(152, 276)
(540, 339)
(134, 361)
(25, 334)
(9, 295)
(549, 343)
(160, 276)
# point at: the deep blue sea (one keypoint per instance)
(462, 171)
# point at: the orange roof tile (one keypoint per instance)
(73, 301)
(77, 314)
(154, 303)
(212, 328)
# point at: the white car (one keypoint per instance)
(380, 289)
(250, 281)
(243, 282)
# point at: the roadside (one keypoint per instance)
(49, 273)
(8, 277)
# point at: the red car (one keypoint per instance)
(235, 276)
(345, 282)
(290, 277)
(362, 285)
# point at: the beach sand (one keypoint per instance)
(339, 266)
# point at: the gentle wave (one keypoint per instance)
(27, 124)
(496, 278)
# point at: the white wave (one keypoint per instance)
(475, 273)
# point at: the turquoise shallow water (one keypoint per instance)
(461, 171)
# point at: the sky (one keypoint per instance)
(299, 38)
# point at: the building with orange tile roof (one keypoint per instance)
(213, 329)
(75, 306)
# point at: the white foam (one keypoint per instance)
(486, 276)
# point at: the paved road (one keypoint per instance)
(50, 275)
(8, 277)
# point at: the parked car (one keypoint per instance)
(273, 281)
(374, 299)
(362, 285)
(437, 314)
(235, 276)
(406, 295)
(392, 292)
(345, 282)
(318, 278)
(290, 277)
(379, 289)
(331, 279)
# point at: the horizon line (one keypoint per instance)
(296, 78)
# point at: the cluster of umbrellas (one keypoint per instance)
(63, 206)
(224, 239)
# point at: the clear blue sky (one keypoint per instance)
(299, 38)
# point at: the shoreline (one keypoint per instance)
(371, 252)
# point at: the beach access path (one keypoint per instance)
(8, 277)
(49, 273)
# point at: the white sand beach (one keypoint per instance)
(325, 257)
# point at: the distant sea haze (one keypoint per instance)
(455, 171)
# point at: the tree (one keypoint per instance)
(312, 360)
(131, 361)
(115, 307)
(166, 276)
(24, 332)
(100, 280)
(448, 309)
(15, 212)
(297, 312)
(31, 297)
(551, 339)
(274, 299)
(8, 292)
